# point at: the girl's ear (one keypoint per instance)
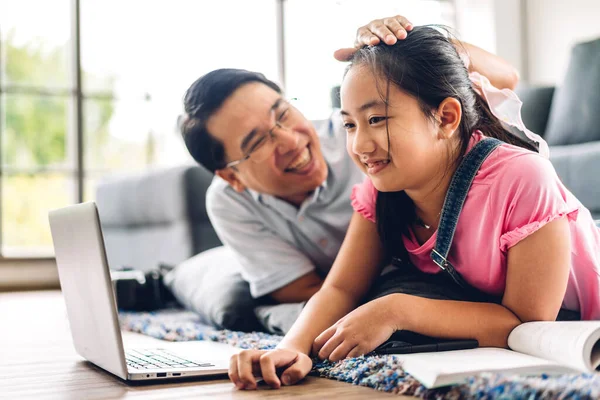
(449, 114)
(230, 175)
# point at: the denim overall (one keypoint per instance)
(453, 204)
(449, 285)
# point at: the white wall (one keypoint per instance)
(494, 25)
(509, 37)
(475, 23)
(553, 27)
(536, 36)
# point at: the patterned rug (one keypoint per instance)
(383, 373)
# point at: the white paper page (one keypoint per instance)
(449, 367)
(560, 341)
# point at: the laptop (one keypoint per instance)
(92, 312)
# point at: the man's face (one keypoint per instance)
(292, 167)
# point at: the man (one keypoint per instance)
(281, 201)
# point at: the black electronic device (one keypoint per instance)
(405, 342)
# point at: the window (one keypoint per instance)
(137, 58)
(140, 56)
(37, 159)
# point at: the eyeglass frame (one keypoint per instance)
(269, 134)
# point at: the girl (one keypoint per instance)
(412, 114)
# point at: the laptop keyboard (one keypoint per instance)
(159, 358)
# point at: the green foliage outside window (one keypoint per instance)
(35, 137)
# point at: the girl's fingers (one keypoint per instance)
(233, 372)
(271, 361)
(356, 352)
(269, 373)
(322, 339)
(342, 350)
(245, 362)
(297, 371)
(330, 346)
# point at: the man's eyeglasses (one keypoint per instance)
(263, 144)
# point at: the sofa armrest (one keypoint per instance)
(577, 165)
(197, 180)
(155, 217)
(536, 106)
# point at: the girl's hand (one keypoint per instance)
(358, 333)
(244, 366)
(387, 29)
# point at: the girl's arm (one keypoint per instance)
(351, 276)
(538, 270)
(537, 275)
(356, 266)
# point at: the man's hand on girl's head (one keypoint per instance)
(387, 29)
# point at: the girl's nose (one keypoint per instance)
(362, 143)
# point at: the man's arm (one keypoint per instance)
(299, 290)
(499, 71)
(271, 265)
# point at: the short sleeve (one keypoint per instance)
(267, 261)
(530, 196)
(364, 196)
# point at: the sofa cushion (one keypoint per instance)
(536, 106)
(575, 112)
(144, 219)
(210, 285)
(577, 166)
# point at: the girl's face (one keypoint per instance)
(417, 152)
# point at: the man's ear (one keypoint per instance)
(449, 114)
(231, 176)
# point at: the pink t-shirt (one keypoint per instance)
(515, 193)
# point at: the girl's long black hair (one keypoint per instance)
(427, 66)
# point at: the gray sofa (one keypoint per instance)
(568, 117)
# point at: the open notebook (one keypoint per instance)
(536, 348)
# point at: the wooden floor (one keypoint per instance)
(37, 360)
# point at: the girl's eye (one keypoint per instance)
(374, 120)
(348, 125)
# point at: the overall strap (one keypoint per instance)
(453, 204)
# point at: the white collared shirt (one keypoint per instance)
(276, 242)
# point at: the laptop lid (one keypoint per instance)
(86, 285)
